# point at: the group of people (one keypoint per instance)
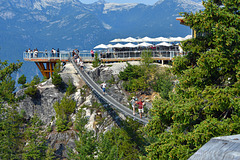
(79, 62)
(134, 102)
(34, 52)
(55, 53)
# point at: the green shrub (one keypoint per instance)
(36, 80)
(57, 81)
(22, 80)
(61, 124)
(63, 110)
(71, 88)
(31, 91)
(96, 61)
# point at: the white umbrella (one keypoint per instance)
(117, 40)
(129, 39)
(101, 46)
(130, 45)
(144, 44)
(176, 39)
(161, 39)
(118, 45)
(110, 46)
(147, 39)
(164, 44)
(188, 37)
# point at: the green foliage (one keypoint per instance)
(36, 80)
(63, 110)
(206, 100)
(31, 91)
(146, 58)
(11, 135)
(7, 84)
(70, 89)
(57, 80)
(163, 84)
(130, 72)
(114, 144)
(35, 147)
(145, 77)
(22, 80)
(57, 67)
(96, 62)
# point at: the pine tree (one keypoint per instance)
(35, 147)
(206, 101)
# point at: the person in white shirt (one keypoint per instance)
(103, 86)
(81, 64)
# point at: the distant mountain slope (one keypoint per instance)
(69, 24)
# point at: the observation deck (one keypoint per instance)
(46, 61)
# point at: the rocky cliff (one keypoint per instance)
(99, 119)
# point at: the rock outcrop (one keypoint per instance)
(99, 118)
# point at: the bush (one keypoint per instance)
(63, 110)
(96, 61)
(57, 81)
(22, 80)
(31, 91)
(36, 80)
(163, 84)
(71, 88)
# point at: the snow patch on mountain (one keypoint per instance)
(7, 15)
(107, 26)
(108, 7)
(80, 16)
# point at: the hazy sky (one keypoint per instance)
(150, 2)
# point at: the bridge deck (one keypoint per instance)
(108, 99)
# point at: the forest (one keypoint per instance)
(199, 98)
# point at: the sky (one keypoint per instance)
(148, 2)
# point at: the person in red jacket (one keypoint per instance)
(140, 107)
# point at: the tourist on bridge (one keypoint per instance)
(81, 64)
(103, 86)
(140, 107)
(133, 102)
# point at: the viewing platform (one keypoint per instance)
(46, 61)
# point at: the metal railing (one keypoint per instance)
(63, 55)
(86, 55)
(108, 99)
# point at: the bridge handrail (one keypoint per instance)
(107, 98)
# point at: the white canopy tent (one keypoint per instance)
(130, 45)
(164, 44)
(145, 44)
(103, 46)
(118, 45)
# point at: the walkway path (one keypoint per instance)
(108, 99)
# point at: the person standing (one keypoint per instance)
(133, 102)
(140, 107)
(58, 52)
(103, 86)
(92, 53)
(81, 64)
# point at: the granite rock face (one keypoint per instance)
(100, 119)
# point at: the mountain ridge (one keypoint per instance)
(70, 24)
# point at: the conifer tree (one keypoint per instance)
(206, 101)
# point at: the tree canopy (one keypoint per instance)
(205, 103)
